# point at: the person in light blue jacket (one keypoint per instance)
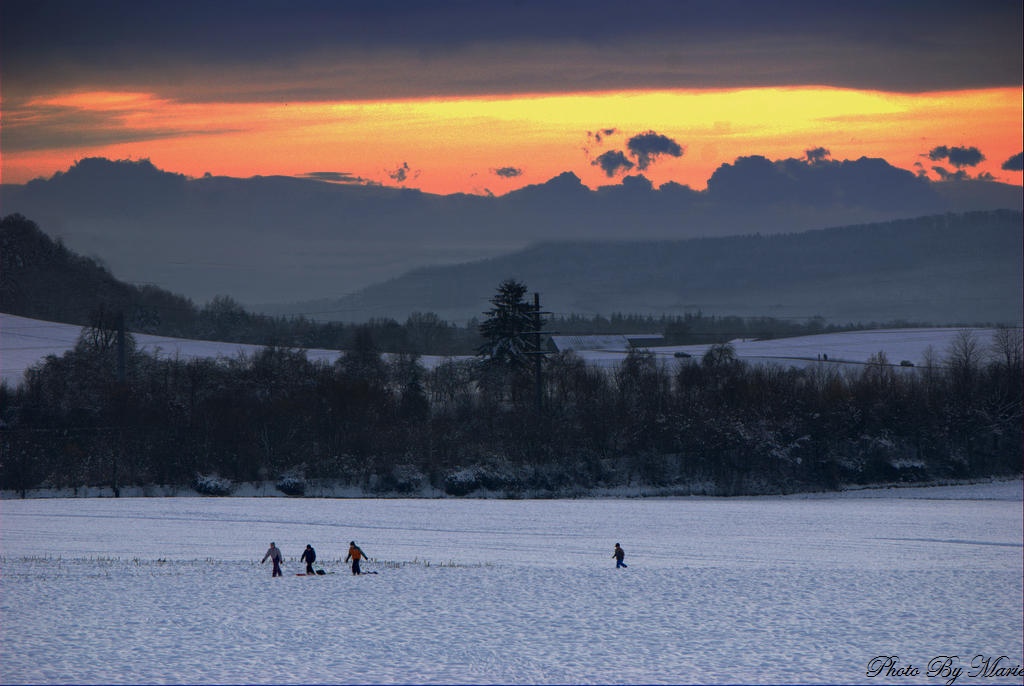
(274, 553)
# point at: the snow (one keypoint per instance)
(26, 342)
(847, 348)
(773, 589)
(777, 589)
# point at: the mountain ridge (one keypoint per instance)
(941, 268)
(273, 239)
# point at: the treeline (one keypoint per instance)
(387, 424)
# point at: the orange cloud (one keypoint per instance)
(453, 143)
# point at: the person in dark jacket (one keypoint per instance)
(355, 553)
(619, 554)
(274, 553)
(309, 557)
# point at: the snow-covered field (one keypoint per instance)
(785, 589)
(844, 349)
(780, 589)
(25, 342)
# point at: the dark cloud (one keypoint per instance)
(817, 155)
(638, 183)
(757, 181)
(403, 173)
(613, 162)
(343, 49)
(600, 135)
(645, 147)
(957, 156)
(946, 175)
(1015, 163)
(57, 127)
(336, 177)
(507, 172)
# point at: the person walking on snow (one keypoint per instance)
(309, 557)
(355, 553)
(619, 554)
(274, 553)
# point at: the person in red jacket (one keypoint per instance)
(355, 553)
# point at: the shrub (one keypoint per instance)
(291, 484)
(462, 481)
(211, 484)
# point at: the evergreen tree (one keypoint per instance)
(508, 328)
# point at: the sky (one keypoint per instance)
(487, 97)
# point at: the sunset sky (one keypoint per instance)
(489, 96)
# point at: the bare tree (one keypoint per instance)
(964, 359)
(1008, 349)
(100, 336)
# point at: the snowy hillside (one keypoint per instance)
(846, 348)
(25, 342)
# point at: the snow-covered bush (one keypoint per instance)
(494, 476)
(406, 478)
(291, 483)
(212, 484)
(462, 481)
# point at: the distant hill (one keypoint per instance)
(283, 239)
(943, 269)
(43, 279)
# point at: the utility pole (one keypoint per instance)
(121, 400)
(537, 355)
(122, 353)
